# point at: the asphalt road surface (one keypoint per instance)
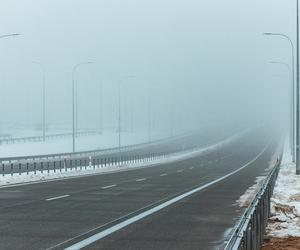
(190, 204)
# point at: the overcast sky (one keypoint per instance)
(205, 58)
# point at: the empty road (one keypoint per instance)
(188, 204)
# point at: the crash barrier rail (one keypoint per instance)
(88, 153)
(5, 136)
(137, 153)
(248, 234)
(12, 140)
(83, 163)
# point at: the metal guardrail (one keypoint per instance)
(88, 152)
(5, 137)
(78, 164)
(12, 140)
(248, 234)
(144, 152)
(137, 153)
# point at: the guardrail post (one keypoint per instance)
(90, 161)
(85, 163)
(34, 167)
(11, 169)
(254, 231)
(20, 166)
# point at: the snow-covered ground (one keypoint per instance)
(109, 139)
(39, 176)
(245, 200)
(29, 132)
(285, 203)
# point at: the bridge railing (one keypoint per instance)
(249, 232)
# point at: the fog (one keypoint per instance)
(190, 64)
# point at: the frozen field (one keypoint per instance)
(108, 139)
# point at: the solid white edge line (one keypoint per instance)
(111, 186)
(58, 197)
(151, 211)
(142, 179)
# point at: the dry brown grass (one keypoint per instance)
(290, 243)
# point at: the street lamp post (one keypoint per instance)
(172, 116)
(294, 127)
(150, 89)
(44, 99)
(9, 35)
(101, 108)
(119, 108)
(119, 116)
(287, 66)
(149, 119)
(297, 96)
(73, 100)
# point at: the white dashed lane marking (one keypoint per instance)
(111, 186)
(143, 179)
(58, 197)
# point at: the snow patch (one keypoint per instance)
(245, 200)
(285, 202)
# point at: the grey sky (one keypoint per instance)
(210, 54)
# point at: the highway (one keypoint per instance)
(189, 204)
(68, 161)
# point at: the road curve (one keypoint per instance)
(203, 191)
